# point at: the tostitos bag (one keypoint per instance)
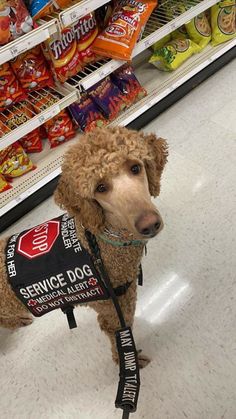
(199, 30)
(223, 15)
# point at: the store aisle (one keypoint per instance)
(185, 318)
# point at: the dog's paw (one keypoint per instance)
(143, 360)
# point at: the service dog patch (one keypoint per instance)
(48, 268)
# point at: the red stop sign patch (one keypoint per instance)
(39, 240)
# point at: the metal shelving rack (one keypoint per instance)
(163, 90)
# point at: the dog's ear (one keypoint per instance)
(155, 163)
(89, 212)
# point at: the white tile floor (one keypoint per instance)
(186, 312)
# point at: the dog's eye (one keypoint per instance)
(136, 169)
(101, 188)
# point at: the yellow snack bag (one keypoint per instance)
(159, 44)
(199, 30)
(223, 21)
(180, 33)
(173, 54)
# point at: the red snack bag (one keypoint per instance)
(32, 142)
(59, 129)
(86, 30)
(65, 60)
(124, 27)
(14, 161)
(86, 114)
(31, 70)
(125, 79)
(108, 98)
(15, 20)
(10, 90)
(4, 185)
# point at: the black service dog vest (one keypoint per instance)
(48, 268)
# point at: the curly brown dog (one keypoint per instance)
(107, 181)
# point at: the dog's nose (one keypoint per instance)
(148, 224)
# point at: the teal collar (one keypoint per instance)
(123, 243)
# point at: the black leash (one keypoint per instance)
(129, 382)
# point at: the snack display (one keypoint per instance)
(223, 21)
(125, 79)
(31, 70)
(124, 27)
(86, 114)
(15, 20)
(72, 51)
(14, 161)
(108, 98)
(4, 185)
(159, 44)
(199, 30)
(14, 118)
(180, 33)
(10, 90)
(173, 54)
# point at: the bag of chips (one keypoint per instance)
(180, 33)
(159, 44)
(10, 89)
(223, 21)
(31, 70)
(199, 30)
(173, 54)
(4, 185)
(14, 161)
(15, 20)
(86, 114)
(69, 54)
(32, 142)
(124, 27)
(108, 98)
(40, 8)
(126, 81)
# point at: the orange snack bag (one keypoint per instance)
(31, 70)
(10, 90)
(124, 27)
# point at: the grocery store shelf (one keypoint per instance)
(27, 41)
(72, 14)
(162, 87)
(160, 84)
(62, 98)
(48, 166)
(160, 24)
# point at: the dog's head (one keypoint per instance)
(109, 176)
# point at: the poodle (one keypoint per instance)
(107, 181)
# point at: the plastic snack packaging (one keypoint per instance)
(126, 81)
(86, 114)
(59, 129)
(124, 27)
(31, 70)
(108, 98)
(15, 20)
(199, 30)
(223, 21)
(14, 161)
(10, 89)
(19, 115)
(32, 142)
(4, 185)
(180, 33)
(159, 44)
(173, 54)
(40, 8)
(69, 54)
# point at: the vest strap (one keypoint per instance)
(69, 311)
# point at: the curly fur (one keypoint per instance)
(97, 154)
